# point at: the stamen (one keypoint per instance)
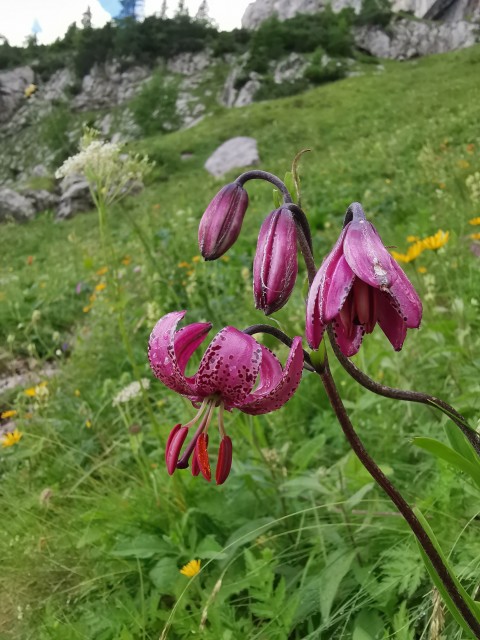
(183, 462)
(221, 426)
(198, 415)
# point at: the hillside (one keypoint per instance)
(298, 543)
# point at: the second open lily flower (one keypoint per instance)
(358, 285)
(236, 372)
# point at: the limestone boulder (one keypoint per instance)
(15, 207)
(232, 154)
(12, 90)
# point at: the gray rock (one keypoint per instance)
(107, 85)
(75, 197)
(15, 207)
(236, 152)
(39, 171)
(247, 93)
(408, 39)
(57, 86)
(290, 69)
(189, 64)
(450, 10)
(41, 199)
(12, 90)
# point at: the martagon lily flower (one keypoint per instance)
(358, 285)
(236, 372)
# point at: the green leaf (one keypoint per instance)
(459, 442)
(368, 626)
(331, 577)
(142, 546)
(164, 575)
(442, 451)
(277, 199)
(210, 548)
(475, 608)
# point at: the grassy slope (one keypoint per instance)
(99, 558)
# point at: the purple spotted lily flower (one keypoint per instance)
(358, 285)
(236, 372)
(275, 266)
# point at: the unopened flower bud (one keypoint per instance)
(221, 223)
(275, 266)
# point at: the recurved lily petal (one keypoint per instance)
(162, 355)
(270, 373)
(187, 340)
(408, 301)
(365, 252)
(229, 367)
(284, 389)
(328, 292)
(390, 320)
(275, 266)
(348, 337)
(222, 221)
(224, 463)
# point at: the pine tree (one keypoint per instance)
(202, 13)
(87, 19)
(181, 9)
(163, 10)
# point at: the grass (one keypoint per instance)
(298, 543)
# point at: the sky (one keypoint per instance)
(19, 17)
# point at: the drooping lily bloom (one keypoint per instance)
(236, 372)
(275, 266)
(222, 221)
(358, 285)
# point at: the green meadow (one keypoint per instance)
(298, 543)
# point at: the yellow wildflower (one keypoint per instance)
(422, 269)
(30, 90)
(77, 393)
(436, 241)
(225, 258)
(463, 164)
(126, 260)
(411, 239)
(31, 392)
(9, 439)
(475, 221)
(196, 258)
(87, 308)
(10, 413)
(190, 272)
(475, 236)
(92, 298)
(442, 185)
(102, 271)
(413, 251)
(88, 424)
(184, 265)
(191, 568)
(100, 286)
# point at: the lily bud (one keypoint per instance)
(222, 221)
(275, 266)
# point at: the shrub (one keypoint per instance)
(154, 108)
(378, 12)
(321, 69)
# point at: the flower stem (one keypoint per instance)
(398, 500)
(412, 396)
(269, 177)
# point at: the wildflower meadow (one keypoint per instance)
(249, 407)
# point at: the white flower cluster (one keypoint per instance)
(110, 171)
(473, 185)
(131, 391)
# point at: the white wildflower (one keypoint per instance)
(473, 185)
(131, 391)
(110, 172)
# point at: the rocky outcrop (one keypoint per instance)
(12, 90)
(234, 153)
(406, 39)
(108, 86)
(290, 69)
(75, 197)
(15, 207)
(451, 10)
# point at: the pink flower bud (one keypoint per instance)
(221, 223)
(275, 266)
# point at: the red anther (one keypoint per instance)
(174, 445)
(224, 463)
(195, 468)
(201, 455)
